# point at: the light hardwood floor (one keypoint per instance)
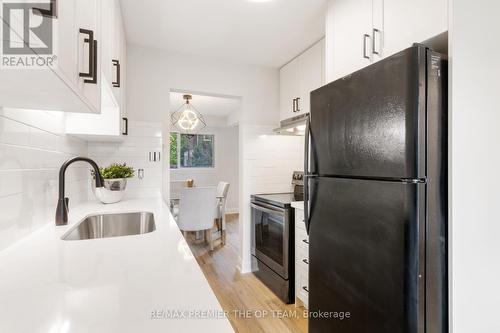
(242, 292)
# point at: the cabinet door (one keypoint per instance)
(377, 39)
(67, 39)
(408, 21)
(107, 39)
(88, 17)
(123, 73)
(289, 88)
(119, 45)
(349, 22)
(310, 75)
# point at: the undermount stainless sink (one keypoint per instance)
(112, 225)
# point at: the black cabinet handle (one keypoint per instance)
(305, 261)
(298, 104)
(91, 75)
(365, 37)
(293, 105)
(375, 31)
(306, 289)
(51, 12)
(116, 63)
(126, 126)
(305, 241)
(94, 78)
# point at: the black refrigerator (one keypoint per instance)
(376, 198)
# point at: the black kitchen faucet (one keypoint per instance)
(62, 203)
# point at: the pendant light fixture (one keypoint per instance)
(187, 119)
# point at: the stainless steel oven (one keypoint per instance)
(273, 243)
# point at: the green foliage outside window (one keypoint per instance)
(193, 150)
(173, 151)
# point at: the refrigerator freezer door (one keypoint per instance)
(366, 256)
(372, 122)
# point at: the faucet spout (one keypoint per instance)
(62, 203)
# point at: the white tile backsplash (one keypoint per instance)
(270, 160)
(144, 137)
(267, 167)
(32, 148)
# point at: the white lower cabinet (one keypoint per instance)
(301, 260)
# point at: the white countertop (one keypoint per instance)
(298, 205)
(106, 285)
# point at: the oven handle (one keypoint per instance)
(267, 209)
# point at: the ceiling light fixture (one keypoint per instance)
(187, 119)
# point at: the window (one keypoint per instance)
(174, 151)
(191, 150)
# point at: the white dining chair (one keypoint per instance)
(222, 191)
(197, 211)
(175, 192)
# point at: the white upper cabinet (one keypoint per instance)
(56, 83)
(361, 32)
(409, 21)
(121, 72)
(298, 78)
(311, 75)
(89, 49)
(351, 24)
(112, 32)
(109, 124)
(289, 89)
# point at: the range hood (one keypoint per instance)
(293, 126)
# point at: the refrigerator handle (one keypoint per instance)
(306, 173)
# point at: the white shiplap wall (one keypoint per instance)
(268, 163)
(143, 138)
(32, 148)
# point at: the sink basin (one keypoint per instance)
(112, 225)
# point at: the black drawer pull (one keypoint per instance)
(305, 288)
(305, 261)
(305, 241)
(125, 132)
(91, 75)
(116, 63)
(51, 12)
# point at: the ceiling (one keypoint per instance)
(207, 105)
(259, 32)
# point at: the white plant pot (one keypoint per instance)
(112, 192)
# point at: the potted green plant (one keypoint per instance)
(115, 182)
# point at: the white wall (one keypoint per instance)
(226, 165)
(157, 72)
(475, 164)
(143, 138)
(32, 149)
(267, 163)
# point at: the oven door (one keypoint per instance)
(271, 236)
